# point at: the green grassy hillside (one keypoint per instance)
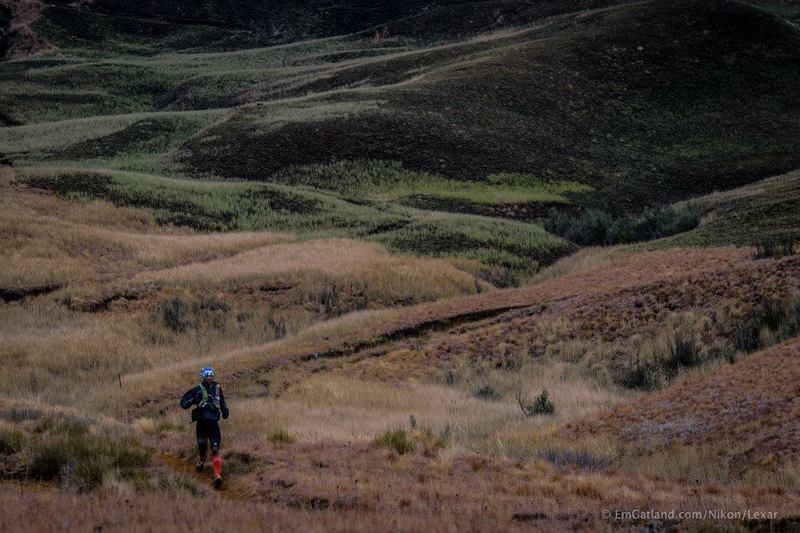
(497, 250)
(765, 209)
(646, 103)
(385, 121)
(643, 103)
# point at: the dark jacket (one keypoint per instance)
(208, 409)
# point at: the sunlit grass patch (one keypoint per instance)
(389, 181)
(516, 249)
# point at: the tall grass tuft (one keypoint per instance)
(398, 439)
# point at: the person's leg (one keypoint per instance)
(202, 443)
(215, 437)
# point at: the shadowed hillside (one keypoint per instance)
(647, 103)
(644, 103)
(231, 24)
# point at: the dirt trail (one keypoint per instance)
(231, 489)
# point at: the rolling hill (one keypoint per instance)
(459, 265)
(545, 96)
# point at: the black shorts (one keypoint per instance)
(208, 430)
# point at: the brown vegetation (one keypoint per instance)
(389, 417)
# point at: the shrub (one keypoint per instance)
(487, 392)
(683, 351)
(691, 339)
(541, 405)
(646, 377)
(398, 439)
(80, 460)
(593, 227)
(47, 460)
(431, 442)
(769, 246)
(174, 311)
(505, 278)
(281, 436)
(779, 317)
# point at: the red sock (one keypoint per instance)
(217, 462)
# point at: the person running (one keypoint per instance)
(210, 403)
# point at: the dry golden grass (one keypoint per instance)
(335, 406)
(367, 267)
(477, 463)
(47, 240)
(584, 260)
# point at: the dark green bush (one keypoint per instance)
(506, 278)
(684, 352)
(643, 377)
(399, 440)
(47, 460)
(541, 405)
(781, 316)
(593, 227)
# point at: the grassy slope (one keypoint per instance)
(509, 249)
(549, 101)
(546, 100)
(215, 25)
(744, 414)
(741, 216)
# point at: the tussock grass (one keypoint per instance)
(398, 440)
(76, 452)
(339, 407)
(312, 265)
(584, 260)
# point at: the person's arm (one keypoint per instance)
(222, 405)
(190, 398)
